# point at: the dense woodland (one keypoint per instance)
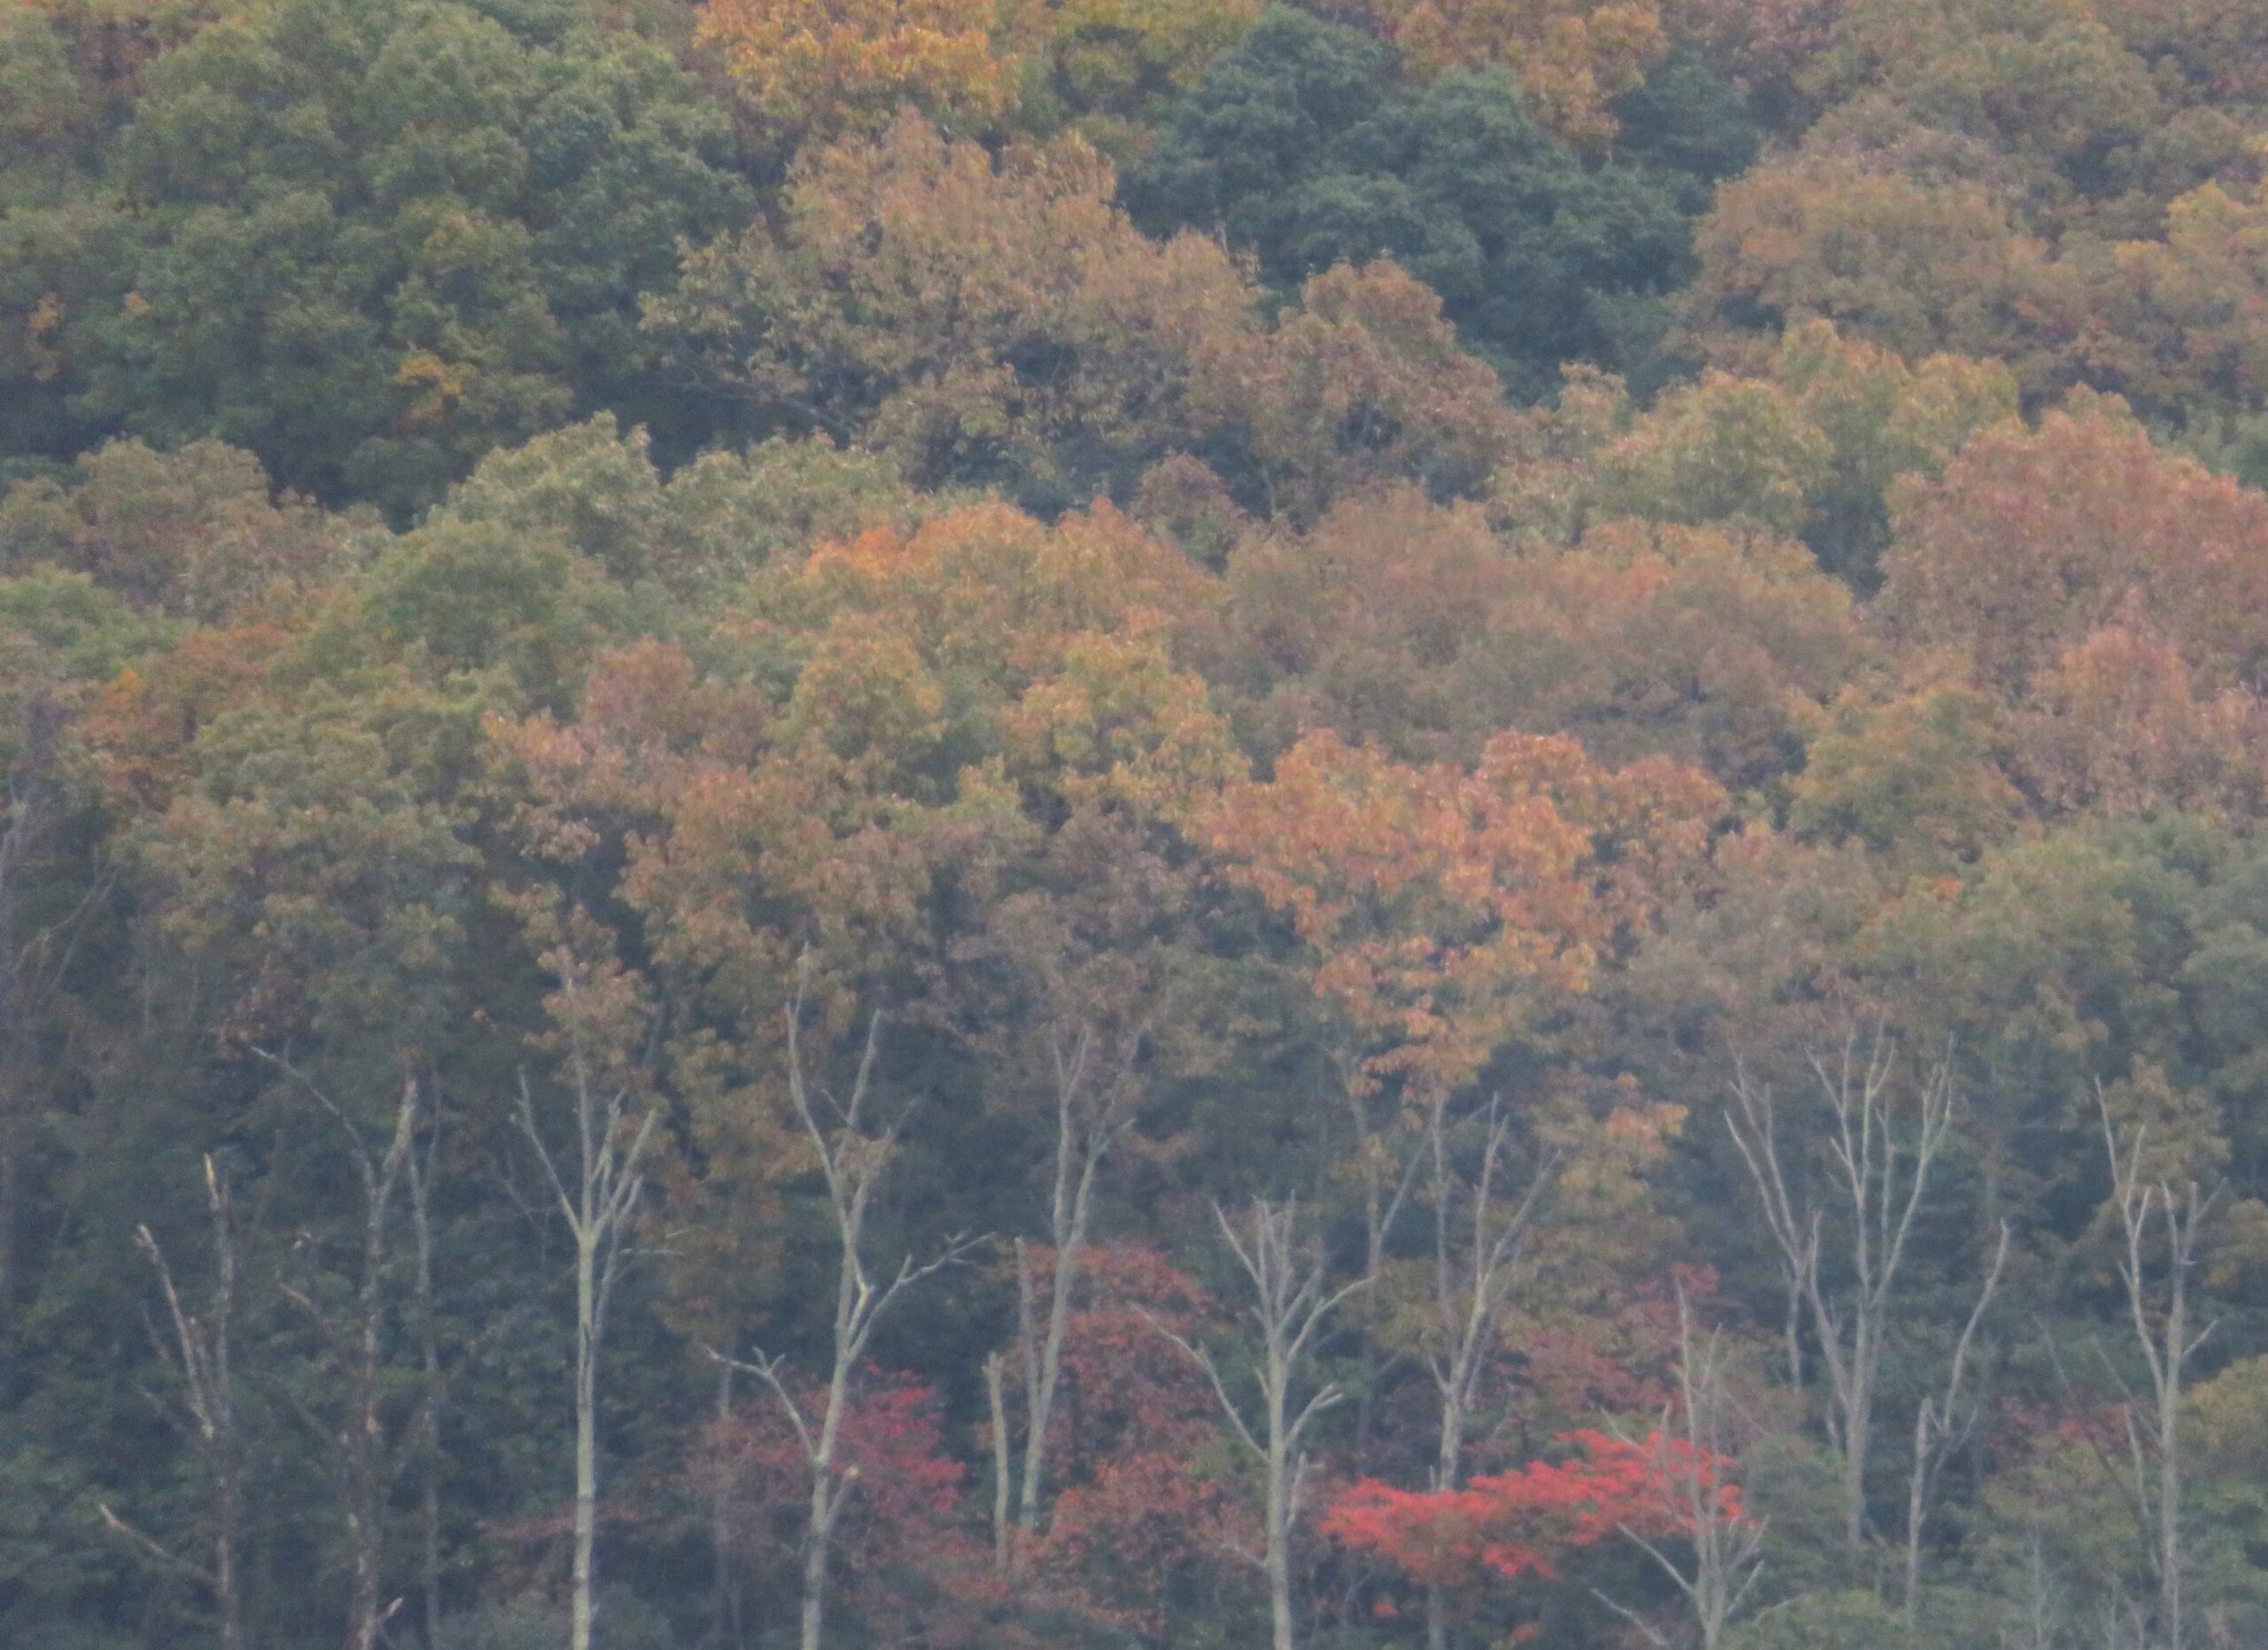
(1133, 824)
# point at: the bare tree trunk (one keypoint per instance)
(725, 1601)
(1693, 1453)
(853, 1164)
(997, 1400)
(1381, 1207)
(588, 1262)
(428, 1349)
(1884, 1196)
(2167, 1346)
(362, 1440)
(1290, 1306)
(1474, 1269)
(598, 1208)
(1940, 1426)
(1091, 1116)
(200, 1357)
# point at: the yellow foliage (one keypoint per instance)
(844, 65)
(1575, 57)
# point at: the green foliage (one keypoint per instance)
(1835, 1621)
(369, 242)
(1300, 145)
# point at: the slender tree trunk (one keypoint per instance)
(1279, 1529)
(1858, 1438)
(586, 1441)
(853, 1164)
(227, 1586)
(818, 1541)
(202, 1359)
(1290, 1307)
(2166, 1347)
(725, 1600)
(602, 1078)
(997, 1401)
(1883, 1183)
(428, 1346)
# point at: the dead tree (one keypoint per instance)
(2162, 1328)
(1093, 1110)
(1942, 1424)
(422, 1169)
(853, 1164)
(1880, 1182)
(1477, 1252)
(1290, 1306)
(1691, 1449)
(197, 1351)
(354, 1340)
(1387, 1177)
(598, 1194)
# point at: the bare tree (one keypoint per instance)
(1944, 1423)
(1387, 1177)
(598, 1194)
(852, 1162)
(1290, 1306)
(422, 1169)
(1094, 1108)
(1478, 1239)
(198, 1353)
(1880, 1183)
(1692, 1449)
(2162, 1327)
(354, 1340)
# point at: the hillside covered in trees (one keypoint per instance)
(1133, 824)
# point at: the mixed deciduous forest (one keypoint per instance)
(1133, 824)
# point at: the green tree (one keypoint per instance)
(1299, 143)
(370, 242)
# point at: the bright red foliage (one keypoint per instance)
(1521, 1523)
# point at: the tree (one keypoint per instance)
(195, 534)
(851, 1163)
(1523, 1523)
(1698, 1499)
(1473, 1273)
(355, 1341)
(2108, 529)
(819, 69)
(1439, 904)
(917, 1569)
(202, 1356)
(1111, 69)
(1883, 1181)
(1910, 263)
(2154, 1435)
(1574, 58)
(1300, 145)
(603, 1029)
(449, 267)
(1291, 1304)
(999, 323)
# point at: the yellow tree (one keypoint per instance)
(831, 65)
(1572, 57)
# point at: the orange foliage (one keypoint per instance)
(2033, 540)
(1437, 900)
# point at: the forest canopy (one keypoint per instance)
(1133, 824)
